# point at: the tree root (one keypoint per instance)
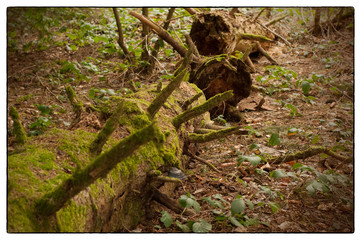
(311, 151)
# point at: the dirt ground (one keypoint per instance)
(326, 119)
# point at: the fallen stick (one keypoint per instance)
(311, 151)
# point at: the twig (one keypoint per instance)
(121, 37)
(204, 161)
(275, 20)
(259, 14)
(283, 39)
(56, 96)
(311, 151)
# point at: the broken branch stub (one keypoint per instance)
(202, 138)
(158, 102)
(198, 110)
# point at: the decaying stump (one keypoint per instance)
(222, 36)
(217, 33)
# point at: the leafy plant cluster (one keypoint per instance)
(45, 120)
(223, 211)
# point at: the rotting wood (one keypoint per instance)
(309, 152)
(51, 202)
(170, 203)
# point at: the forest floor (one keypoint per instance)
(325, 117)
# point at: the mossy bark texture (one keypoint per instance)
(18, 128)
(198, 110)
(100, 167)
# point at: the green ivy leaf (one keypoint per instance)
(296, 165)
(237, 206)
(274, 139)
(274, 206)
(234, 221)
(201, 227)
(254, 160)
(184, 228)
(44, 109)
(250, 204)
(166, 219)
(278, 173)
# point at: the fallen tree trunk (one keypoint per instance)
(78, 181)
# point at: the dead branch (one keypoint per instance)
(198, 110)
(170, 203)
(275, 20)
(111, 124)
(75, 103)
(274, 33)
(158, 102)
(145, 35)
(203, 161)
(187, 103)
(311, 151)
(121, 37)
(191, 11)
(259, 14)
(165, 27)
(191, 44)
(202, 138)
(264, 53)
(161, 32)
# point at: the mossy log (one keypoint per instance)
(57, 185)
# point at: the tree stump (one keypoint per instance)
(220, 36)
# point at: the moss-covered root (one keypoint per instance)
(201, 138)
(74, 100)
(18, 128)
(198, 110)
(158, 102)
(51, 202)
(112, 123)
(309, 152)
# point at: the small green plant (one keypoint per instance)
(43, 122)
(220, 119)
(189, 201)
(274, 139)
(253, 132)
(166, 219)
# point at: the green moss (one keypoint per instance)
(72, 219)
(18, 128)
